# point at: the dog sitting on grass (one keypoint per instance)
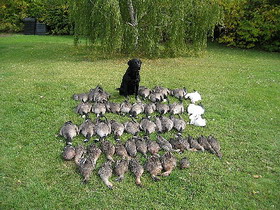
(131, 79)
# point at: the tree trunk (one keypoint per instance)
(133, 21)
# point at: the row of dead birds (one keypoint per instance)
(86, 158)
(103, 128)
(157, 94)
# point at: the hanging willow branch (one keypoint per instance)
(146, 27)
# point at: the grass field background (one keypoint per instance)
(240, 90)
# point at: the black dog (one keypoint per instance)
(131, 79)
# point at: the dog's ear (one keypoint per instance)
(129, 62)
(140, 61)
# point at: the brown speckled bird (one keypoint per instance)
(180, 143)
(203, 141)
(215, 145)
(121, 151)
(154, 167)
(165, 145)
(168, 162)
(86, 167)
(121, 168)
(80, 152)
(108, 149)
(105, 173)
(93, 153)
(68, 152)
(184, 163)
(152, 146)
(137, 169)
(131, 147)
(194, 144)
(141, 146)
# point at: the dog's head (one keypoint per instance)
(135, 64)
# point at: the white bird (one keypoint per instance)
(197, 120)
(195, 109)
(194, 97)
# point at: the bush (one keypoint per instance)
(54, 13)
(250, 23)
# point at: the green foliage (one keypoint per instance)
(154, 29)
(54, 13)
(251, 23)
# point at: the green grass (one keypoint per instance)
(240, 90)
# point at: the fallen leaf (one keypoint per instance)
(257, 176)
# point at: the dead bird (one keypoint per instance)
(165, 145)
(121, 151)
(162, 108)
(108, 149)
(144, 92)
(80, 152)
(125, 107)
(215, 145)
(121, 168)
(98, 95)
(164, 91)
(87, 129)
(197, 120)
(131, 147)
(159, 125)
(81, 97)
(69, 152)
(168, 162)
(132, 127)
(154, 167)
(93, 153)
(194, 97)
(194, 144)
(179, 93)
(166, 124)
(83, 109)
(136, 109)
(149, 109)
(103, 128)
(156, 97)
(176, 108)
(105, 173)
(69, 130)
(113, 107)
(117, 129)
(137, 169)
(93, 92)
(147, 126)
(184, 163)
(178, 124)
(152, 146)
(141, 146)
(99, 109)
(195, 109)
(180, 143)
(86, 167)
(203, 141)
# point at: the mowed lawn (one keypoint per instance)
(241, 94)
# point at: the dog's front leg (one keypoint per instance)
(136, 90)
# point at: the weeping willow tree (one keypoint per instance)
(150, 27)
